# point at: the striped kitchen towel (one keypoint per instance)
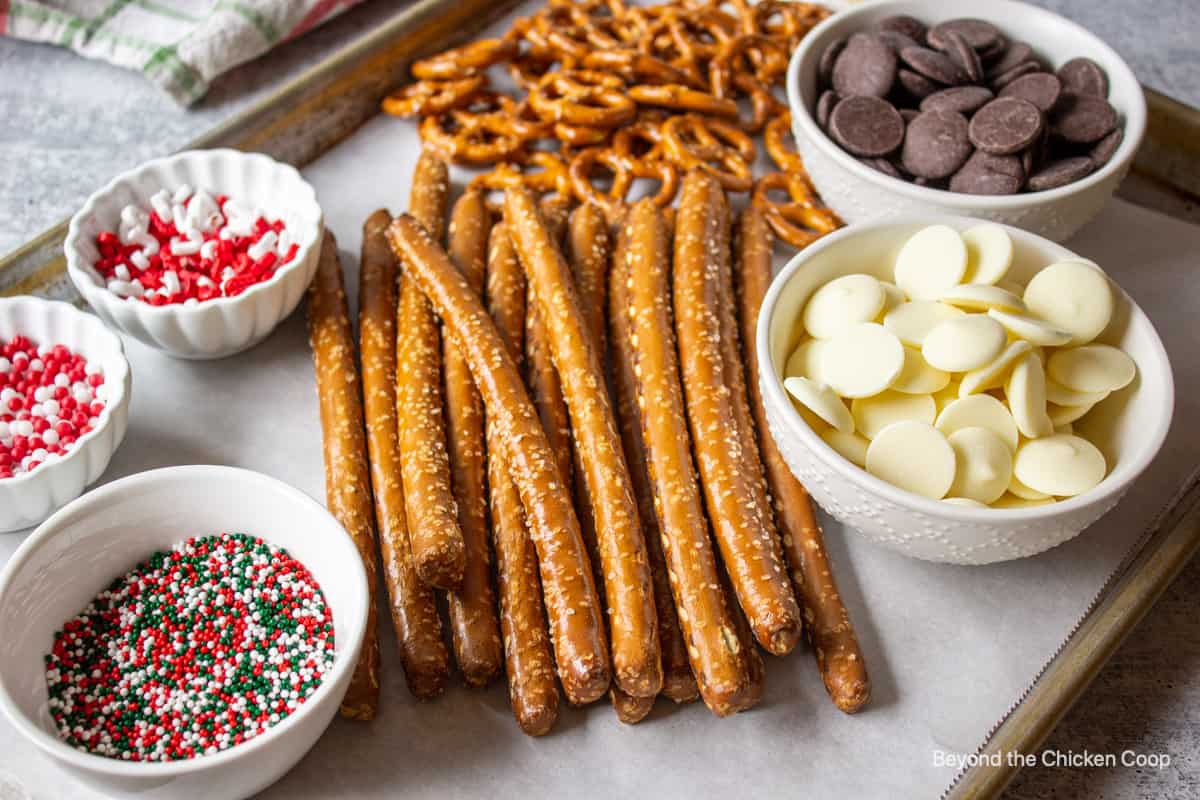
(180, 45)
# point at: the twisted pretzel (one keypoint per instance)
(465, 60)
(775, 137)
(801, 219)
(684, 99)
(582, 97)
(491, 129)
(719, 148)
(623, 171)
(550, 176)
(427, 98)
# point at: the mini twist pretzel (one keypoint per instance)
(719, 148)
(582, 97)
(801, 219)
(426, 98)
(624, 171)
(775, 139)
(573, 136)
(763, 105)
(684, 99)
(571, 32)
(551, 175)
(491, 129)
(768, 55)
(641, 139)
(466, 60)
(635, 67)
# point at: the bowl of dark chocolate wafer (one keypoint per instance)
(989, 108)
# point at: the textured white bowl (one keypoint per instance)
(79, 550)
(858, 192)
(1129, 426)
(222, 326)
(27, 499)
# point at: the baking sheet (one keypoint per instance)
(950, 649)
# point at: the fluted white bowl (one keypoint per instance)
(224, 325)
(1129, 426)
(858, 192)
(28, 498)
(78, 551)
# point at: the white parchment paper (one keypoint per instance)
(949, 649)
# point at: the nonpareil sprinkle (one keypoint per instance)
(191, 246)
(194, 651)
(50, 397)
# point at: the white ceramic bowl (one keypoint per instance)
(858, 192)
(75, 553)
(29, 498)
(1129, 426)
(225, 325)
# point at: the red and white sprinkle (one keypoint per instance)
(189, 247)
(50, 397)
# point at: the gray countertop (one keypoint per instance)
(67, 125)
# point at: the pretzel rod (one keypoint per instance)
(642, 335)
(835, 645)
(630, 710)
(414, 612)
(679, 683)
(749, 550)
(572, 605)
(633, 628)
(347, 477)
(546, 390)
(473, 626)
(433, 531)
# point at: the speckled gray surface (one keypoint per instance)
(66, 125)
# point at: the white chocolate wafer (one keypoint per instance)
(1073, 296)
(963, 501)
(1012, 501)
(805, 361)
(917, 377)
(862, 360)
(1065, 415)
(912, 322)
(893, 296)
(873, 414)
(913, 456)
(1062, 465)
(841, 303)
(822, 401)
(851, 446)
(1026, 393)
(981, 297)
(983, 465)
(965, 343)
(993, 374)
(982, 410)
(1092, 368)
(1024, 492)
(931, 261)
(1060, 395)
(989, 253)
(1031, 329)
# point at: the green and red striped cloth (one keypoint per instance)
(179, 45)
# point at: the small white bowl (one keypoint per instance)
(858, 192)
(29, 498)
(221, 326)
(75, 553)
(1129, 426)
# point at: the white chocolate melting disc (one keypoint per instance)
(862, 360)
(931, 261)
(1092, 368)
(1031, 329)
(841, 303)
(913, 456)
(963, 501)
(1024, 492)
(1012, 501)
(912, 322)
(989, 253)
(981, 410)
(983, 464)
(1062, 465)
(981, 297)
(993, 374)
(917, 377)
(873, 414)
(851, 446)
(1060, 395)
(1072, 296)
(822, 401)
(1026, 393)
(1065, 415)
(893, 296)
(963, 344)
(805, 361)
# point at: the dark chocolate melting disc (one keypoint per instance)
(897, 41)
(1084, 76)
(1083, 118)
(963, 54)
(1040, 88)
(1008, 76)
(866, 66)
(985, 173)
(963, 99)
(915, 83)
(911, 27)
(1060, 173)
(979, 33)
(866, 126)
(828, 59)
(1106, 147)
(825, 104)
(934, 65)
(884, 166)
(1006, 125)
(1017, 53)
(936, 144)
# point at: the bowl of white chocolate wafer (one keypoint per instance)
(959, 390)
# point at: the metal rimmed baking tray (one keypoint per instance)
(324, 107)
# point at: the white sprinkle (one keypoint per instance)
(263, 246)
(160, 201)
(50, 407)
(41, 393)
(49, 436)
(208, 250)
(182, 193)
(5, 365)
(92, 368)
(37, 365)
(170, 280)
(185, 247)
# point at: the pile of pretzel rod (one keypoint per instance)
(577, 403)
(616, 95)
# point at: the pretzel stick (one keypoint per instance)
(414, 611)
(475, 631)
(643, 338)
(632, 625)
(532, 691)
(572, 605)
(749, 550)
(679, 684)
(433, 531)
(839, 658)
(630, 710)
(347, 477)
